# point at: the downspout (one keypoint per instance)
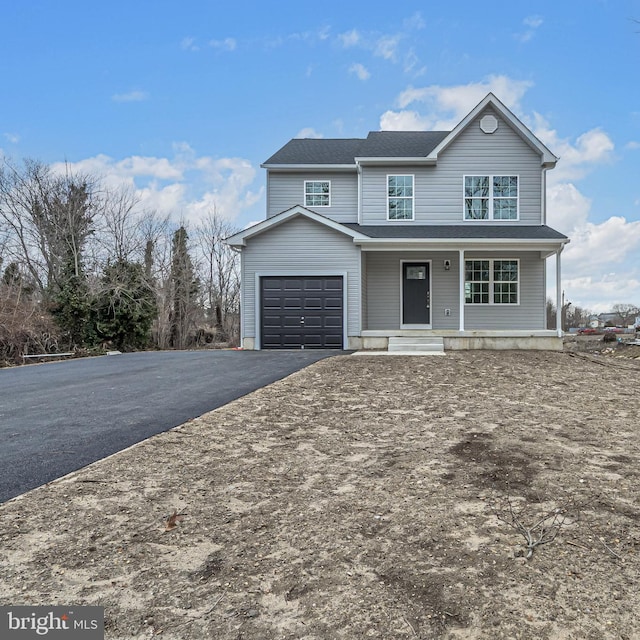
(359, 171)
(543, 195)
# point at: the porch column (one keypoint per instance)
(461, 287)
(559, 314)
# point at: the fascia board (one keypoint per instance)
(379, 160)
(309, 167)
(239, 239)
(369, 244)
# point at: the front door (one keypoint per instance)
(416, 297)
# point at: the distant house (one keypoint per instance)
(404, 234)
(609, 320)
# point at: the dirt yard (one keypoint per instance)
(364, 497)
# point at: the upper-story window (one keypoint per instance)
(317, 193)
(491, 197)
(400, 197)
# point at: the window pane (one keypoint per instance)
(505, 270)
(476, 208)
(476, 186)
(505, 209)
(400, 209)
(505, 186)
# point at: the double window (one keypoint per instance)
(317, 193)
(400, 197)
(491, 281)
(491, 197)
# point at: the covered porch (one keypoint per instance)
(479, 296)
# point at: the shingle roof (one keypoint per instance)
(401, 144)
(378, 144)
(458, 231)
(317, 151)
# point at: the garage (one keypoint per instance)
(302, 312)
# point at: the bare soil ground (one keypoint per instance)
(364, 497)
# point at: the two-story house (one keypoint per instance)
(437, 233)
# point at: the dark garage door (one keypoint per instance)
(302, 312)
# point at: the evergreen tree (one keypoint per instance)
(184, 291)
(71, 305)
(125, 307)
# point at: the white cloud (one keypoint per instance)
(448, 105)
(404, 121)
(228, 44)
(599, 265)
(349, 38)
(632, 145)
(567, 208)
(189, 44)
(416, 21)
(13, 138)
(533, 21)
(359, 70)
(411, 62)
(132, 96)
(576, 159)
(184, 186)
(308, 132)
(387, 47)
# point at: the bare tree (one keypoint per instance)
(48, 217)
(120, 234)
(156, 237)
(627, 312)
(220, 271)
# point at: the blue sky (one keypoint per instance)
(185, 100)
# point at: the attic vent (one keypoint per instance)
(489, 124)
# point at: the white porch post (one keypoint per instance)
(461, 302)
(559, 327)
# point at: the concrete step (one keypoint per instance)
(429, 344)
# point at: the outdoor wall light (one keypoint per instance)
(447, 265)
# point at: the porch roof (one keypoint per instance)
(458, 232)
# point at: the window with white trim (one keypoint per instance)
(491, 281)
(400, 197)
(317, 193)
(491, 197)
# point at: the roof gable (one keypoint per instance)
(240, 239)
(548, 158)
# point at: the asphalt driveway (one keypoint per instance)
(60, 416)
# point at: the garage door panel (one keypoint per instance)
(333, 303)
(312, 303)
(304, 312)
(272, 303)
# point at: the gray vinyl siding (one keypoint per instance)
(383, 283)
(438, 190)
(529, 313)
(302, 247)
(286, 190)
